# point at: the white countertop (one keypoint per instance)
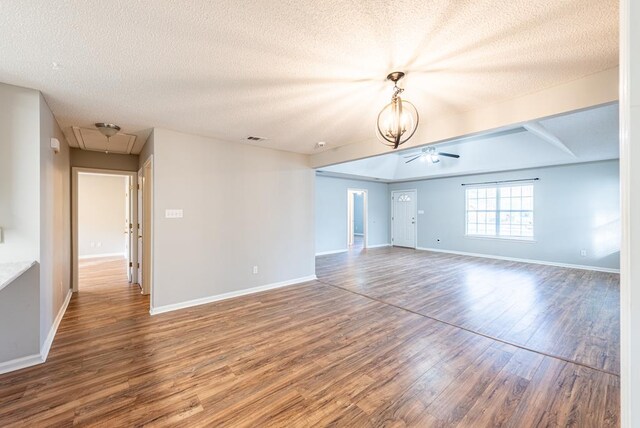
(9, 271)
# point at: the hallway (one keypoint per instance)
(95, 274)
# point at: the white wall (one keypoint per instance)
(19, 174)
(101, 214)
(576, 207)
(331, 212)
(243, 206)
(55, 221)
(19, 317)
(35, 206)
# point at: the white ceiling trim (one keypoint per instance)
(540, 131)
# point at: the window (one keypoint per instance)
(500, 212)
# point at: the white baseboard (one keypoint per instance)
(515, 259)
(344, 250)
(230, 295)
(378, 245)
(20, 363)
(324, 253)
(97, 256)
(46, 346)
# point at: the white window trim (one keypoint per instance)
(528, 239)
(502, 238)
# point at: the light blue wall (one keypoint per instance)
(576, 207)
(331, 212)
(358, 212)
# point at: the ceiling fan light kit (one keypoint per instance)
(398, 120)
(431, 154)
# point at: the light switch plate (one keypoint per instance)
(173, 213)
(420, 211)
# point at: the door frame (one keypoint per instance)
(147, 229)
(133, 216)
(139, 237)
(415, 215)
(365, 217)
(630, 221)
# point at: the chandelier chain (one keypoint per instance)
(397, 91)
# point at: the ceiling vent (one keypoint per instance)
(254, 138)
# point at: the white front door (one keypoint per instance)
(403, 218)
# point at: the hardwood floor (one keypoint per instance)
(316, 354)
(567, 313)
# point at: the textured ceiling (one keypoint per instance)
(589, 135)
(295, 72)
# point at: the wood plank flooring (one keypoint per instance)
(568, 313)
(316, 354)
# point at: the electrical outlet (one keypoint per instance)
(255, 270)
(583, 253)
(99, 244)
(93, 244)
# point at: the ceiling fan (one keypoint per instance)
(431, 154)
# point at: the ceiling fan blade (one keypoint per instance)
(411, 160)
(450, 155)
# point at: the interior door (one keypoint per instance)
(140, 225)
(128, 225)
(403, 218)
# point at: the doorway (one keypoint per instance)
(104, 214)
(403, 218)
(357, 218)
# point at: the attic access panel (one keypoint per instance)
(92, 139)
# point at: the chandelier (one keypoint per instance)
(398, 120)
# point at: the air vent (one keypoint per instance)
(254, 138)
